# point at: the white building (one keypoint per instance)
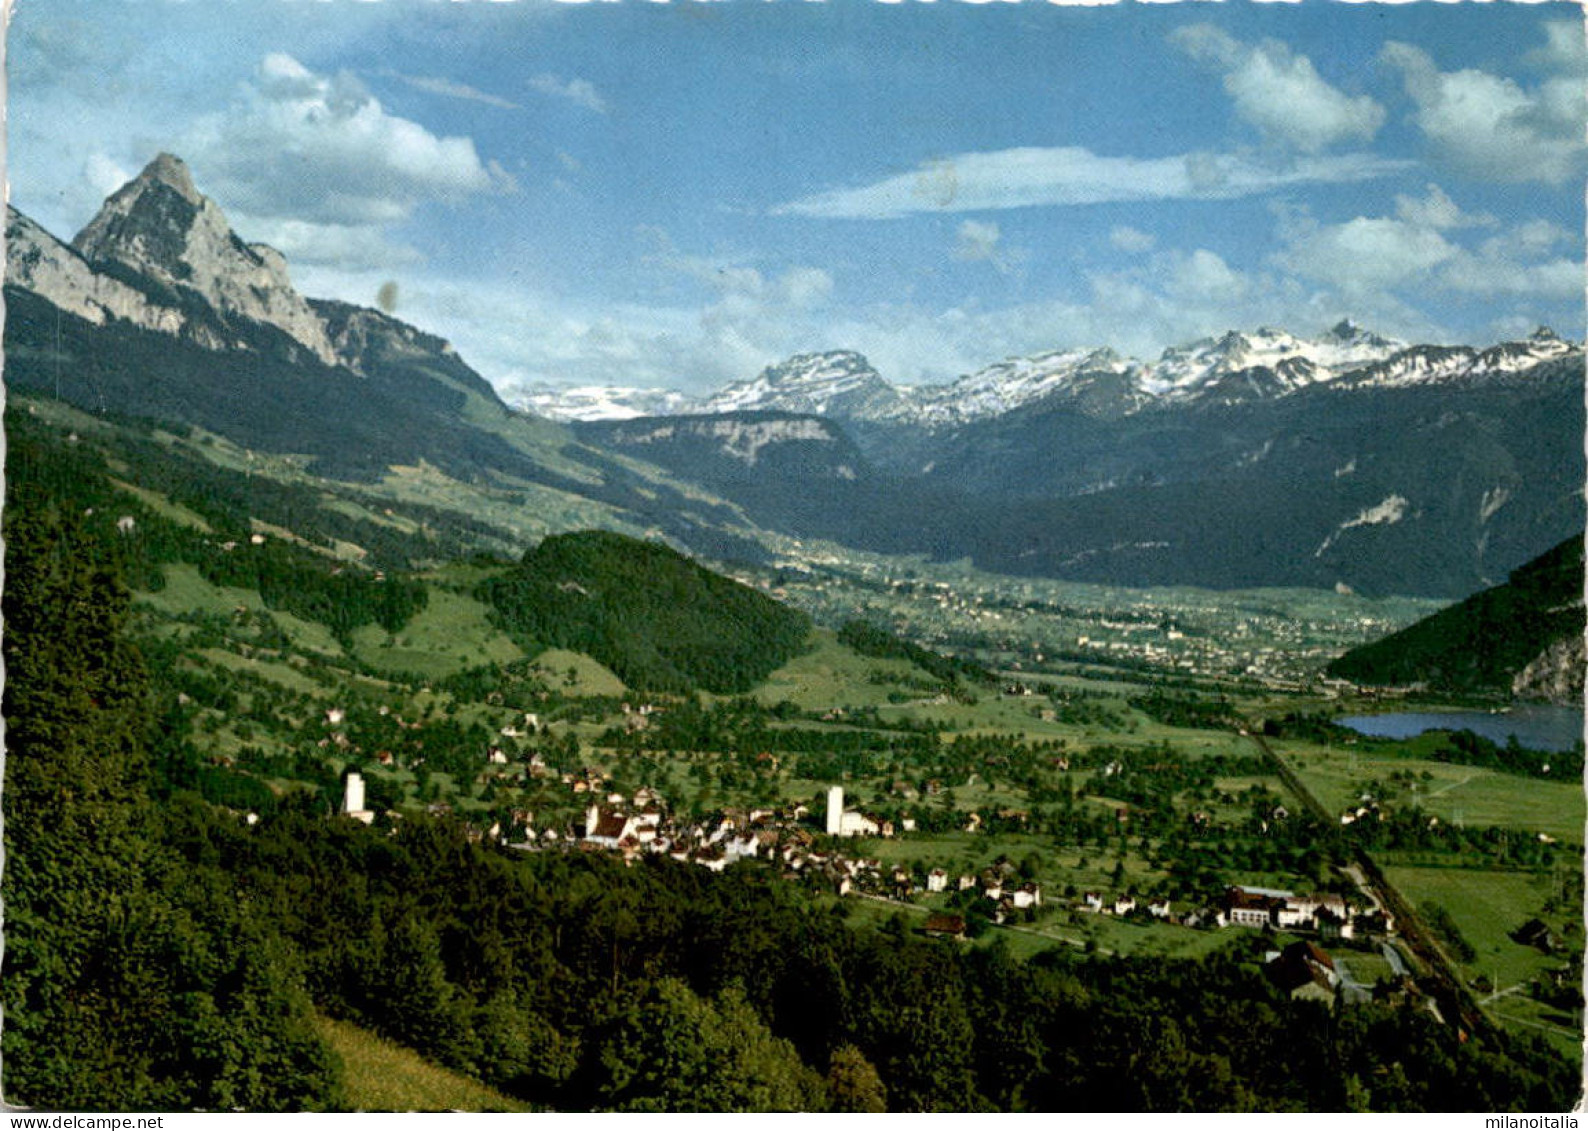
(353, 798)
(847, 822)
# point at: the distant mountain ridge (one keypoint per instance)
(1233, 368)
(1251, 459)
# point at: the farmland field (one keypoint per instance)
(1458, 794)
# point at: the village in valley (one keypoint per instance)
(814, 845)
(1012, 778)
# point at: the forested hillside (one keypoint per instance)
(1480, 644)
(658, 620)
(132, 979)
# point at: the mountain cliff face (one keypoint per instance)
(161, 230)
(1555, 675)
(793, 470)
(159, 309)
(743, 437)
(38, 262)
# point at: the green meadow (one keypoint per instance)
(1470, 795)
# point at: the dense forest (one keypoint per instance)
(171, 955)
(657, 619)
(220, 538)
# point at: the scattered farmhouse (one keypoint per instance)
(1304, 970)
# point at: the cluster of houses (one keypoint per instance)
(1325, 913)
(640, 825)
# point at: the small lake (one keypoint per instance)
(1537, 728)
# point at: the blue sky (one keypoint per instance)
(680, 194)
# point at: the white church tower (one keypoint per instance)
(835, 810)
(353, 798)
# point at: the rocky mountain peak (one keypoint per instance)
(160, 226)
(844, 367)
(172, 172)
(837, 383)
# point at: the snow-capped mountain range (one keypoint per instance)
(1258, 365)
(1249, 459)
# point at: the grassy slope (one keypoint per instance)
(1486, 906)
(382, 1076)
(450, 634)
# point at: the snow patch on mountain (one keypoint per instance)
(1391, 510)
(1385, 513)
(599, 402)
(1183, 372)
(1493, 500)
(841, 383)
(1014, 382)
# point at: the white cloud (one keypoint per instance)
(1026, 177)
(446, 88)
(1281, 93)
(981, 241)
(578, 91)
(350, 247)
(103, 174)
(736, 285)
(1497, 273)
(1177, 296)
(805, 287)
(1369, 254)
(1131, 240)
(1438, 211)
(1368, 258)
(1538, 236)
(977, 241)
(308, 147)
(1204, 276)
(1565, 47)
(1489, 126)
